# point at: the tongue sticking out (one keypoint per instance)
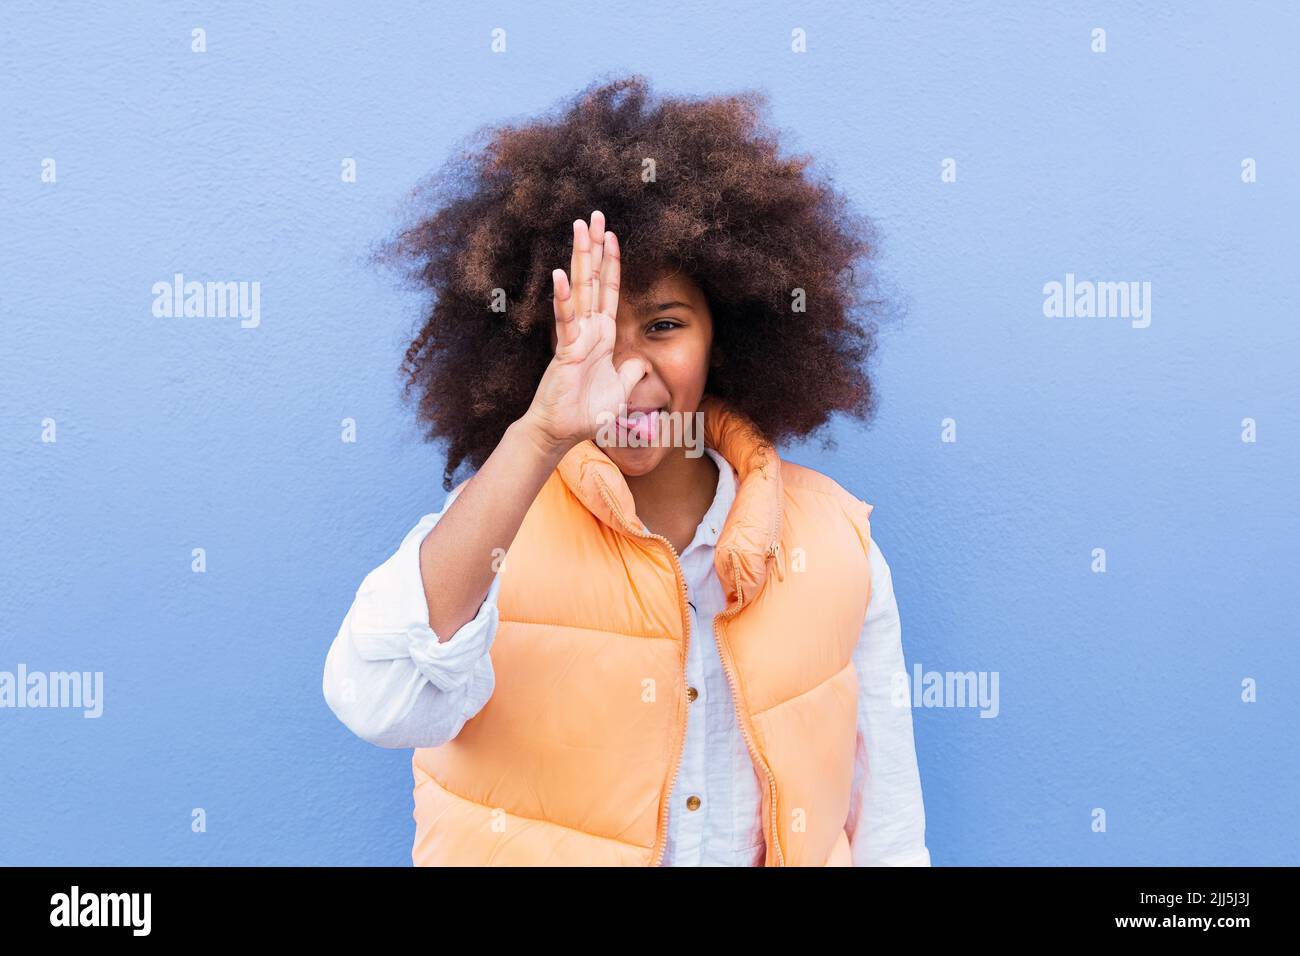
(641, 425)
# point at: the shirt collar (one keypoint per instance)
(748, 543)
(710, 527)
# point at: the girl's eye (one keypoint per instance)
(667, 322)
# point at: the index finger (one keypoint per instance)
(597, 232)
(580, 269)
(610, 272)
(566, 329)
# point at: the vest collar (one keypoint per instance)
(750, 535)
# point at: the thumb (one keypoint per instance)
(629, 373)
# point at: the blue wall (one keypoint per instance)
(1118, 690)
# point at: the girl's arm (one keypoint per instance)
(409, 672)
(886, 823)
(579, 387)
(388, 677)
(460, 555)
(410, 665)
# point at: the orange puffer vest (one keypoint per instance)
(573, 759)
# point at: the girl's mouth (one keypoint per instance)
(643, 424)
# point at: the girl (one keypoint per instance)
(636, 635)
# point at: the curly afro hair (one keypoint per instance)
(694, 185)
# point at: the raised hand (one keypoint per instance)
(581, 389)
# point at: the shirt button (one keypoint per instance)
(692, 693)
(692, 802)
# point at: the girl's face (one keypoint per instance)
(671, 329)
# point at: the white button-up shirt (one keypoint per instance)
(393, 683)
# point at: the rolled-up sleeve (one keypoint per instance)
(886, 822)
(387, 676)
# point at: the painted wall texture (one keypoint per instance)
(999, 151)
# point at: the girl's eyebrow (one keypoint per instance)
(668, 305)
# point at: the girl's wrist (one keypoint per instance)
(549, 447)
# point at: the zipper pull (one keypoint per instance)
(773, 554)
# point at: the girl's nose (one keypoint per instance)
(626, 347)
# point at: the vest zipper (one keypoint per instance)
(661, 834)
(725, 651)
(725, 648)
(773, 551)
